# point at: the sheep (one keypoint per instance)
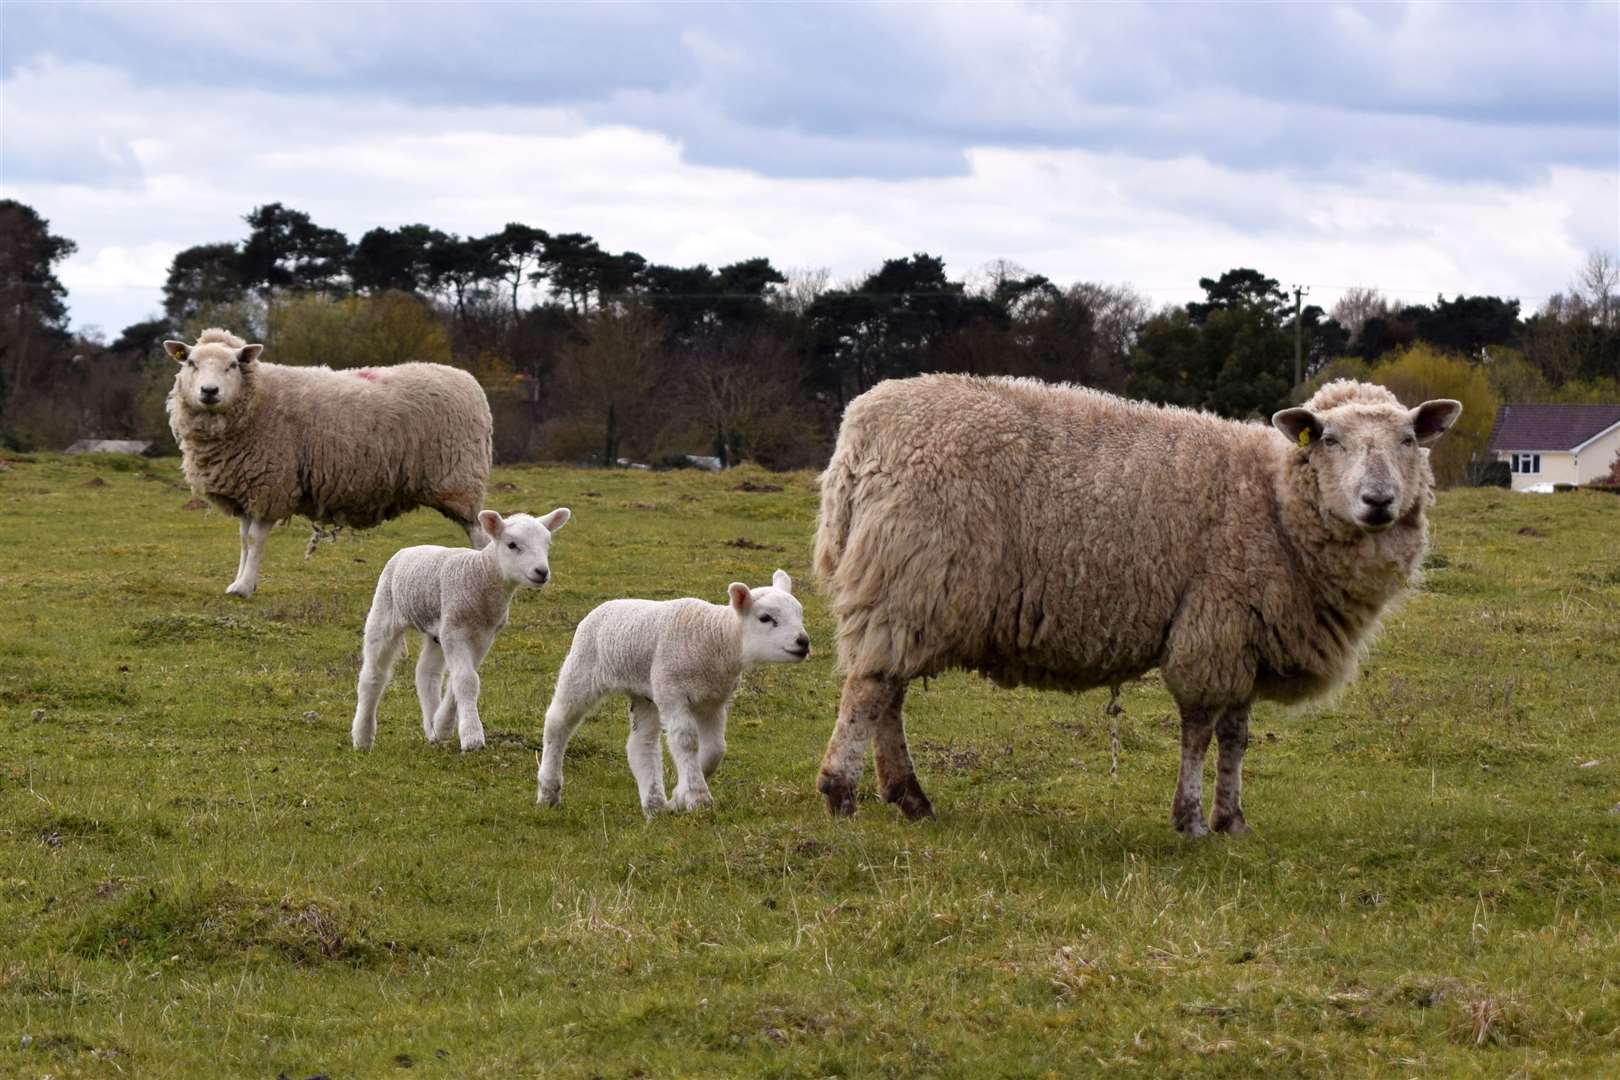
(1060, 537)
(680, 662)
(458, 600)
(263, 442)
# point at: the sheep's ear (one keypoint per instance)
(1433, 419)
(248, 353)
(177, 349)
(491, 523)
(556, 519)
(740, 596)
(781, 581)
(1300, 425)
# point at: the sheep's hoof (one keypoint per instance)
(653, 806)
(691, 800)
(1232, 824)
(1193, 829)
(840, 796)
(472, 742)
(551, 795)
(236, 588)
(908, 795)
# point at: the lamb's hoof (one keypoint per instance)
(840, 796)
(654, 806)
(690, 800)
(908, 795)
(361, 744)
(1231, 824)
(236, 588)
(550, 795)
(472, 742)
(1192, 829)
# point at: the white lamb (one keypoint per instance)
(680, 661)
(458, 599)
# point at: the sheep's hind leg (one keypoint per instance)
(896, 775)
(863, 698)
(383, 645)
(646, 754)
(430, 684)
(1232, 733)
(1187, 811)
(254, 532)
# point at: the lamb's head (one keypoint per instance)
(1367, 451)
(771, 621)
(522, 544)
(214, 372)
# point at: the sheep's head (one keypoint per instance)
(212, 372)
(522, 544)
(1367, 451)
(771, 620)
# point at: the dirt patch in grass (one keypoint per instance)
(161, 629)
(745, 544)
(749, 485)
(194, 504)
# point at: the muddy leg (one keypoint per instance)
(1187, 812)
(1232, 733)
(896, 776)
(863, 698)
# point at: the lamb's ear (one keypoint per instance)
(248, 353)
(491, 523)
(781, 581)
(1433, 419)
(177, 349)
(1300, 425)
(740, 596)
(556, 519)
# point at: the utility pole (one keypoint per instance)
(1299, 339)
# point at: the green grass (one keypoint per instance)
(199, 878)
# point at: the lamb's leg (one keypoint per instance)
(254, 532)
(711, 731)
(681, 733)
(645, 754)
(1232, 733)
(241, 554)
(384, 641)
(463, 655)
(1187, 811)
(571, 701)
(896, 775)
(865, 698)
(430, 683)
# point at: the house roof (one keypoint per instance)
(1550, 427)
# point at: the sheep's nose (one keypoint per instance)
(541, 575)
(210, 391)
(1379, 500)
(803, 641)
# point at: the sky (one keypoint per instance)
(1415, 148)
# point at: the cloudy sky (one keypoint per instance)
(1417, 148)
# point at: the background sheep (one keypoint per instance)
(680, 661)
(263, 442)
(458, 600)
(1060, 537)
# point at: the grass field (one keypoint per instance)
(199, 878)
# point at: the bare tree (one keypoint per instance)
(1599, 277)
(803, 285)
(1356, 306)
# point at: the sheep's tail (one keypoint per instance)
(832, 522)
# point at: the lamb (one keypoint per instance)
(263, 442)
(1059, 537)
(458, 600)
(680, 662)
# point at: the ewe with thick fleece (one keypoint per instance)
(680, 661)
(263, 442)
(458, 600)
(1060, 537)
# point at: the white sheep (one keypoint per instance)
(458, 599)
(680, 662)
(1060, 537)
(354, 448)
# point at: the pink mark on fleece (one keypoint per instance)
(366, 373)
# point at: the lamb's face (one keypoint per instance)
(1371, 464)
(522, 544)
(211, 376)
(772, 621)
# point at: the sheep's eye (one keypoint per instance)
(233, 366)
(767, 619)
(191, 363)
(1328, 440)
(511, 545)
(1409, 441)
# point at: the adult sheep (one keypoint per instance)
(263, 442)
(1059, 537)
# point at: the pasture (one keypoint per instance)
(200, 877)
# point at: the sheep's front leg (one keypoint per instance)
(1232, 733)
(681, 733)
(1187, 811)
(711, 731)
(463, 655)
(865, 698)
(430, 684)
(571, 702)
(896, 775)
(253, 533)
(646, 755)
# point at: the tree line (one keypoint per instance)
(597, 356)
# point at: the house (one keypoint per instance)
(1556, 444)
(109, 446)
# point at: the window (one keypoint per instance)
(1526, 463)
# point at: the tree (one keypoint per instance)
(1240, 288)
(459, 267)
(514, 253)
(357, 331)
(33, 308)
(1422, 373)
(202, 277)
(1356, 305)
(399, 259)
(286, 250)
(608, 383)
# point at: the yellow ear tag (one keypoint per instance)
(1304, 436)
